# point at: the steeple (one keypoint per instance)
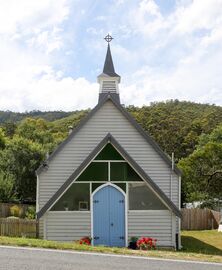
(109, 79)
(108, 68)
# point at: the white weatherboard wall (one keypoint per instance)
(73, 225)
(67, 226)
(157, 224)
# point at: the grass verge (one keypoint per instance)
(197, 246)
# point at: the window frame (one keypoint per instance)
(114, 182)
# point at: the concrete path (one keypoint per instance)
(41, 259)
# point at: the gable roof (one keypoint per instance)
(109, 139)
(112, 98)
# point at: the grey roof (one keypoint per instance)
(108, 68)
(112, 98)
(108, 139)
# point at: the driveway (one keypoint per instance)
(38, 259)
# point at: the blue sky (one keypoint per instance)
(52, 51)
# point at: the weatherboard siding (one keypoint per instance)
(67, 226)
(157, 224)
(41, 228)
(108, 119)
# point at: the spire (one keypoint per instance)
(109, 79)
(108, 68)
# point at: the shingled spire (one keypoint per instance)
(108, 68)
(109, 79)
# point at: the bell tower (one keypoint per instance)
(109, 80)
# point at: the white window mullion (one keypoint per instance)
(127, 196)
(109, 171)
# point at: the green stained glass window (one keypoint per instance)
(76, 198)
(122, 171)
(96, 185)
(121, 185)
(96, 171)
(142, 198)
(109, 153)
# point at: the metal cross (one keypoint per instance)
(108, 38)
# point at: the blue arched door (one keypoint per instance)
(109, 217)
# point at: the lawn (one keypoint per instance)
(205, 242)
(197, 245)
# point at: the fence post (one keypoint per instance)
(37, 228)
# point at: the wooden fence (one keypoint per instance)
(5, 209)
(199, 219)
(18, 227)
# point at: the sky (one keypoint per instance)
(51, 51)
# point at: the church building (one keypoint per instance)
(109, 180)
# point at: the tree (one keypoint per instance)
(202, 170)
(20, 158)
(41, 132)
(2, 139)
(6, 187)
(9, 129)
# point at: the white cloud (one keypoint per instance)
(32, 30)
(45, 89)
(197, 79)
(200, 14)
(26, 15)
(194, 30)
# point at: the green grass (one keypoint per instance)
(197, 245)
(205, 242)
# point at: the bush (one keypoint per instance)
(146, 243)
(85, 241)
(30, 212)
(16, 211)
(6, 187)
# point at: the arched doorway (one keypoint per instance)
(108, 216)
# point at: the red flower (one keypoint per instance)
(85, 241)
(146, 243)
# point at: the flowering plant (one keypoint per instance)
(85, 241)
(146, 243)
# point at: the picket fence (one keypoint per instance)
(18, 227)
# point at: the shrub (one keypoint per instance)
(16, 211)
(146, 243)
(6, 187)
(30, 212)
(85, 241)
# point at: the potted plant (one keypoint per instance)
(132, 243)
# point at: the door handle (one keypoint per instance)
(112, 224)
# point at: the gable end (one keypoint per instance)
(126, 156)
(105, 98)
